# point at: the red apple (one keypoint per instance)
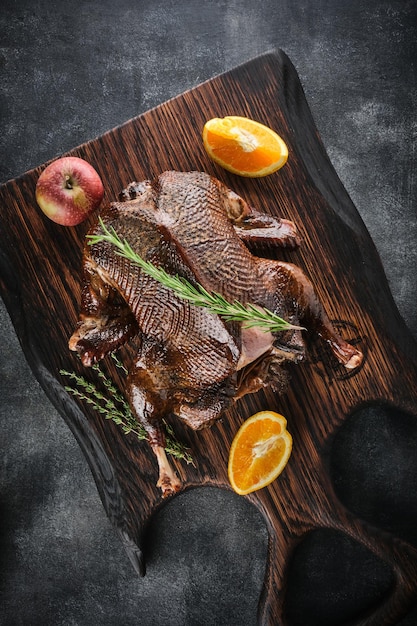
(68, 190)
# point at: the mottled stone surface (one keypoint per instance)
(69, 72)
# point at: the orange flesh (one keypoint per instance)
(259, 452)
(230, 152)
(244, 146)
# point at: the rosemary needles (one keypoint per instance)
(197, 295)
(113, 406)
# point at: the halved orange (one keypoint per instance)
(243, 146)
(259, 452)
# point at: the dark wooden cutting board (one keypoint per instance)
(40, 284)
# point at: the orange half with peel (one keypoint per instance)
(259, 452)
(244, 146)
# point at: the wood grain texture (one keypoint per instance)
(40, 266)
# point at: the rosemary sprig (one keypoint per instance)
(113, 406)
(249, 314)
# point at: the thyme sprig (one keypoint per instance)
(113, 406)
(197, 295)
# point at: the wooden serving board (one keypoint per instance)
(40, 284)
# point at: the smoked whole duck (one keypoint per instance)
(190, 362)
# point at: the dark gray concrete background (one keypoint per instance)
(69, 72)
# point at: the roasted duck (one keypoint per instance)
(189, 362)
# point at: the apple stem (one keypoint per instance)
(68, 182)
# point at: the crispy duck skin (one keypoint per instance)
(189, 362)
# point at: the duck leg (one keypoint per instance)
(305, 306)
(149, 404)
